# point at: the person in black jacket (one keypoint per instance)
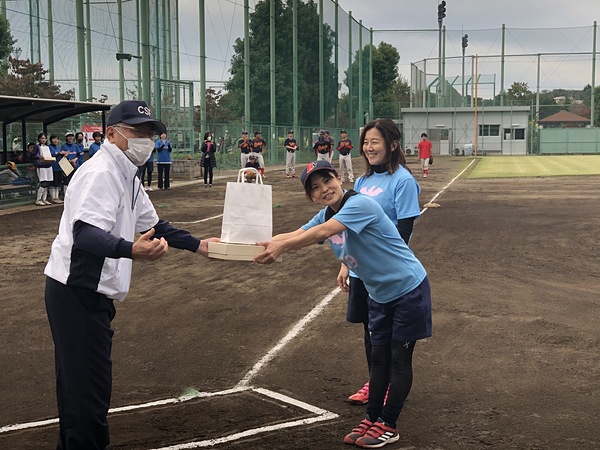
(208, 159)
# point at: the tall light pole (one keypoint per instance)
(465, 44)
(441, 15)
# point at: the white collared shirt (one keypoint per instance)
(106, 193)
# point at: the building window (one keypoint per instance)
(489, 130)
(514, 134)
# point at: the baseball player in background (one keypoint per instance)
(290, 157)
(344, 147)
(245, 148)
(258, 146)
(323, 148)
(424, 153)
(90, 266)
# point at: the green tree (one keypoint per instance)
(308, 66)
(28, 80)
(6, 44)
(519, 93)
(388, 89)
(216, 113)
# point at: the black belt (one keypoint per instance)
(323, 152)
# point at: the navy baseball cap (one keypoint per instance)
(135, 112)
(313, 167)
(244, 132)
(343, 131)
(256, 132)
(290, 131)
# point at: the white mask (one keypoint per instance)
(138, 149)
(209, 138)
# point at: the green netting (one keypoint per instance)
(540, 59)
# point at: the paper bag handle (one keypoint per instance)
(242, 179)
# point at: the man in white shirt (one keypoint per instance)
(90, 266)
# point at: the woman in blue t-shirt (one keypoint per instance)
(389, 182)
(367, 242)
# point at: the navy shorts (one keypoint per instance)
(407, 318)
(358, 302)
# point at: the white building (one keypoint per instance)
(501, 130)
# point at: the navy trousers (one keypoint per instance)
(80, 324)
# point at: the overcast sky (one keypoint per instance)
(532, 26)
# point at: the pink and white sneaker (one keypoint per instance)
(361, 397)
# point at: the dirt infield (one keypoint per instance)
(513, 362)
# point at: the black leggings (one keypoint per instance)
(391, 366)
(208, 174)
(164, 171)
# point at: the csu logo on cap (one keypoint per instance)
(144, 110)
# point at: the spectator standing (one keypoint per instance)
(290, 157)
(245, 148)
(208, 159)
(71, 151)
(424, 153)
(79, 142)
(344, 147)
(95, 146)
(43, 169)
(57, 173)
(258, 147)
(163, 160)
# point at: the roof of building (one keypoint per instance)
(44, 110)
(564, 116)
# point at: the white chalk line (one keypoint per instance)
(167, 401)
(288, 337)
(448, 185)
(244, 383)
(322, 416)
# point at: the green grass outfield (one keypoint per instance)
(535, 166)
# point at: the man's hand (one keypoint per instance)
(203, 248)
(342, 279)
(149, 249)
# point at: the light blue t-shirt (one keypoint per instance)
(398, 193)
(372, 248)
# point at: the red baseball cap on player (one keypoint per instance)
(313, 167)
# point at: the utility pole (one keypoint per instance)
(465, 44)
(441, 15)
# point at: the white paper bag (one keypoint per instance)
(248, 211)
